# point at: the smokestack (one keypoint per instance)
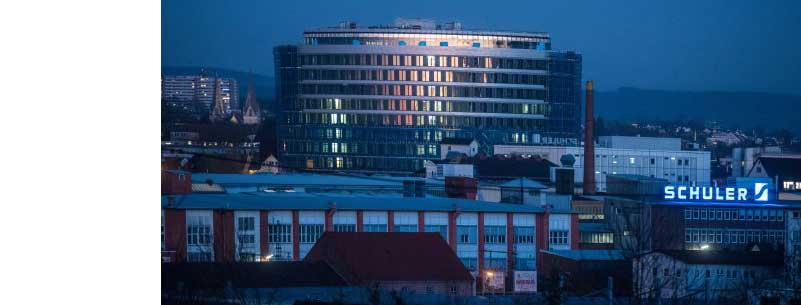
(589, 145)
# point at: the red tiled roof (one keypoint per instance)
(364, 257)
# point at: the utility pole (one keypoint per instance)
(609, 290)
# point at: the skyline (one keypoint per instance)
(696, 39)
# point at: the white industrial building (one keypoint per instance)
(645, 156)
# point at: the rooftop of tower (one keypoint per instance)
(422, 26)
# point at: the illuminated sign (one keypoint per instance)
(711, 193)
(525, 281)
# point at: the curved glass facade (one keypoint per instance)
(353, 100)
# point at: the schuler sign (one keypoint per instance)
(709, 193)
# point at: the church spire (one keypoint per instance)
(252, 112)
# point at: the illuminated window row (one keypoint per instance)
(362, 163)
(721, 236)
(363, 134)
(442, 42)
(417, 105)
(424, 76)
(421, 90)
(425, 61)
(409, 120)
(733, 214)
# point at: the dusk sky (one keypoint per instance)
(709, 45)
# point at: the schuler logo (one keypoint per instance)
(760, 191)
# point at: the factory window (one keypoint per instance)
(246, 233)
(344, 228)
(597, 237)
(441, 229)
(279, 233)
(375, 228)
(494, 260)
(527, 262)
(466, 234)
(652, 161)
(199, 256)
(524, 235)
(405, 228)
(309, 233)
(471, 263)
(558, 237)
(495, 234)
(199, 232)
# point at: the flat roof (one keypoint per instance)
(306, 201)
(305, 179)
(398, 30)
(588, 255)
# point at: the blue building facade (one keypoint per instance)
(380, 99)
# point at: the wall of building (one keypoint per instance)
(431, 287)
(677, 166)
(392, 120)
(483, 241)
(793, 246)
(657, 275)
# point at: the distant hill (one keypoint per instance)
(731, 109)
(264, 85)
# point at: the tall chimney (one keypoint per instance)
(589, 146)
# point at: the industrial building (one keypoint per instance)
(382, 98)
(498, 241)
(643, 156)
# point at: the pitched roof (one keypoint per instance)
(785, 168)
(529, 168)
(370, 256)
(720, 257)
(250, 275)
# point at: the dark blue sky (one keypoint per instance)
(673, 45)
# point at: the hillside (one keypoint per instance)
(731, 109)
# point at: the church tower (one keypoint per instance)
(251, 114)
(219, 113)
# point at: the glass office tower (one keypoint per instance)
(380, 99)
